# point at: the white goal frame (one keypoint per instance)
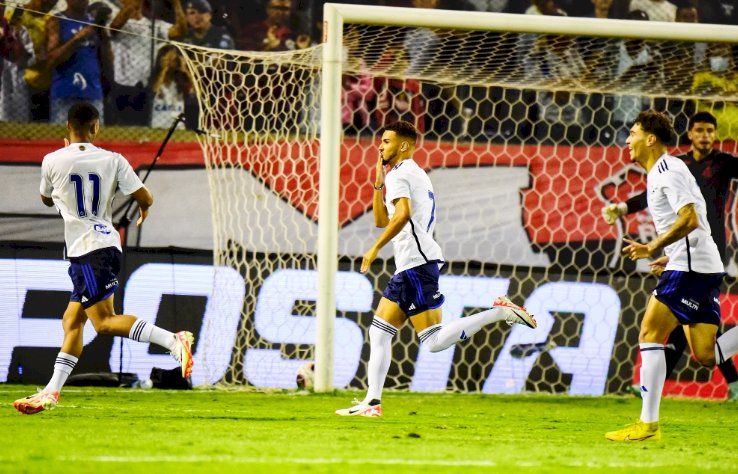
(335, 16)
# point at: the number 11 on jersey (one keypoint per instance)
(79, 190)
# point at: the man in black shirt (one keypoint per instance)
(713, 171)
(200, 28)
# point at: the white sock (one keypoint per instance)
(142, 331)
(380, 356)
(437, 338)
(63, 366)
(727, 345)
(653, 375)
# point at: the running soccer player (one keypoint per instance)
(81, 180)
(688, 289)
(714, 171)
(408, 215)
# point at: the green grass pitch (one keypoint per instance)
(131, 430)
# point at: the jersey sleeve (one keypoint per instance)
(398, 186)
(45, 188)
(637, 203)
(128, 180)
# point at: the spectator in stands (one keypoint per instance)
(357, 91)
(561, 114)
(544, 7)
(496, 6)
(33, 18)
(80, 56)
(719, 82)
(527, 41)
(657, 10)
(639, 68)
(132, 48)
(598, 52)
(170, 87)
(200, 28)
(424, 49)
(16, 53)
(275, 32)
(398, 99)
(601, 8)
(684, 57)
(724, 12)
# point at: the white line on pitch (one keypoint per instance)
(396, 462)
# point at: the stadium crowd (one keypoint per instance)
(51, 55)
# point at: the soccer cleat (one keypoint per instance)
(37, 403)
(516, 314)
(360, 409)
(182, 353)
(638, 431)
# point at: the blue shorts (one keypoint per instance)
(94, 275)
(692, 297)
(416, 290)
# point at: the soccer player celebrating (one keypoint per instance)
(688, 288)
(81, 180)
(408, 215)
(714, 171)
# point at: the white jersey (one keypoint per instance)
(414, 245)
(82, 180)
(671, 186)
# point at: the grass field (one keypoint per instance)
(132, 430)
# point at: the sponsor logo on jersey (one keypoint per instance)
(102, 228)
(79, 81)
(111, 284)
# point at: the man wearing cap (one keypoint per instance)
(200, 29)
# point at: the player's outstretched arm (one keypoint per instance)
(144, 199)
(637, 203)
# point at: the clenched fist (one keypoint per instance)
(612, 212)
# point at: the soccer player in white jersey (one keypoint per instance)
(407, 213)
(81, 180)
(688, 290)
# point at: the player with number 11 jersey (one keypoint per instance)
(82, 180)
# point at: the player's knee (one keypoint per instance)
(103, 326)
(648, 334)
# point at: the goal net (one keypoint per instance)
(523, 122)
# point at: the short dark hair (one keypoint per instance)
(657, 123)
(403, 129)
(638, 15)
(704, 117)
(82, 114)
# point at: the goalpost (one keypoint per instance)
(519, 138)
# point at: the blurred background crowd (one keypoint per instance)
(53, 55)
